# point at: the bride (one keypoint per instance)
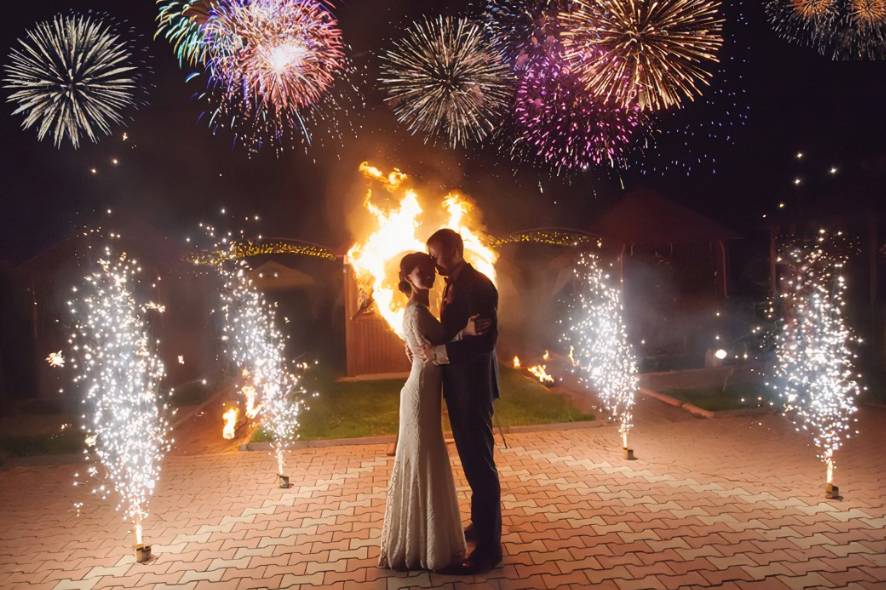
(422, 527)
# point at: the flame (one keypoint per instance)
(391, 182)
(230, 418)
(546, 356)
(516, 362)
(401, 229)
(252, 409)
(541, 373)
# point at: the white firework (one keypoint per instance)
(815, 374)
(602, 356)
(120, 374)
(257, 348)
(74, 76)
(444, 79)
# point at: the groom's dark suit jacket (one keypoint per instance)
(470, 384)
(470, 293)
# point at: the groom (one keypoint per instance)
(470, 384)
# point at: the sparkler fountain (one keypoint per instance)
(116, 365)
(815, 375)
(602, 357)
(256, 346)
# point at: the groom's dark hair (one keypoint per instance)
(449, 239)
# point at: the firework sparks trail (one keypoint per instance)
(839, 29)
(444, 79)
(75, 76)
(119, 372)
(655, 54)
(180, 22)
(602, 357)
(257, 348)
(566, 127)
(815, 375)
(689, 139)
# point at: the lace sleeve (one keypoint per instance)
(428, 327)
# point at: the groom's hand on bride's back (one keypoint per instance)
(477, 326)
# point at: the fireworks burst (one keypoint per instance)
(118, 369)
(443, 79)
(75, 75)
(524, 29)
(564, 126)
(815, 375)
(654, 54)
(277, 70)
(696, 138)
(603, 358)
(839, 29)
(179, 22)
(257, 348)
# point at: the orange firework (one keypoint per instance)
(654, 54)
(811, 8)
(868, 12)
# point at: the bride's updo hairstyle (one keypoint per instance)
(407, 265)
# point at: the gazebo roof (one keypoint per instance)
(647, 218)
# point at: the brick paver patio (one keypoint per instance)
(732, 502)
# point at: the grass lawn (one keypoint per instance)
(39, 434)
(735, 397)
(370, 408)
(24, 445)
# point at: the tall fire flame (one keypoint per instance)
(402, 228)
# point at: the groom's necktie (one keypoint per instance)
(447, 291)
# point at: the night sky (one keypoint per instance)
(174, 173)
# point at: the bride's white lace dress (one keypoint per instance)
(422, 527)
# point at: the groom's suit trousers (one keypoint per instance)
(469, 402)
(470, 384)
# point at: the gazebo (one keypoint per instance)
(674, 264)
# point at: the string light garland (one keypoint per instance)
(235, 250)
(815, 374)
(602, 357)
(76, 76)
(654, 54)
(549, 237)
(118, 370)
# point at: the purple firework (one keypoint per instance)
(565, 126)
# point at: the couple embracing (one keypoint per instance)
(454, 354)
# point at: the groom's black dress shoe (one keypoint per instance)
(476, 563)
